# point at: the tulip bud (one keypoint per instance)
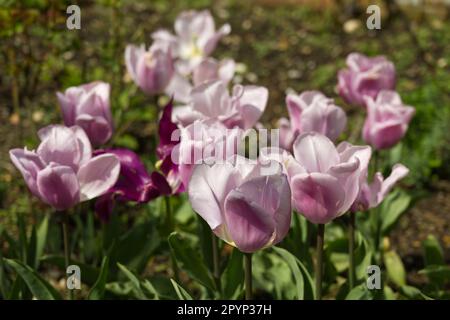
(365, 77)
(387, 120)
(88, 107)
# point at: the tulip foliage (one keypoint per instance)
(198, 215)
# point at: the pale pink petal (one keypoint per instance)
(98, 175)
(315, 152)
(58, 186)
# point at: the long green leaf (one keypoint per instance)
(37, 285)
(136, 283)
(395, 269)
(98, 290)
(305, 290)
(181, 293)
(392, 208)
(190, 258)
(41, 239)
(233, 276)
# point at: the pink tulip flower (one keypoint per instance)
(387, 120)
(62, 172)
(209, 69)
(88, 107)
(371, 195)
(211, 100)
(311, 111)
(365, 77)
(242, 206)
(195, 38)
(205, 140)
(151, 69)
(324, 180)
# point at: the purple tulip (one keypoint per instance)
(242, 206)
(88, 107)
(134, 183)
(62, 172)
(205, 140)
(371, 195)
(169, 139)
(387, 120)
(151, 69)
(365, 77)
(324, 180)
(311, 111)
(195, 39)
(211, 100)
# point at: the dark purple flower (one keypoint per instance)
(169, 140)
(134, 183)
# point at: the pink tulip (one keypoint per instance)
(387, 120)
(88, 107)
(209, 69)
(205, 140)
(211, 100)
(311, 111)
(371, 195)
(365, 77)
(151, 69)
(242, 206)
(195, 39)
(62, 172)
(324, 180)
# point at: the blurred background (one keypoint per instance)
(281, 44)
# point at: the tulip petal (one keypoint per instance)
(29, 164)
(60, 145)
(315, 152)
(84, 144)
(98, 175)
(251, 227)
(382, 188)
(98, 128)
(252, 103)
(317, 196)
(208, 189)
(58, 186)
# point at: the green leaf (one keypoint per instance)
(41, 239)
(392, 208)
(40, 288)
(413, 293)
(439, 275)
(305, 290)
(135, 282)
(191, 260)
(135, 247)
(433, 253)
(98, 289)
(31, 249)
(233, 276)
(359, 293)
(181, 293)
(395, 269)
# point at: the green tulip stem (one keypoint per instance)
(170, 226)
(319, 257)
(65, 228)
(216, 262)
(351, 249)
(248, 275)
